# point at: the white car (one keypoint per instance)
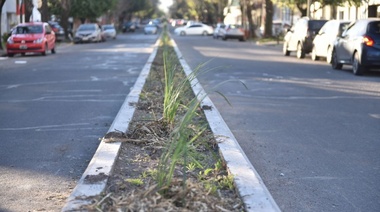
(88, 33)
(194, 29)
(109, 31)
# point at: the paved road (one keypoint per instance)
(312, 133)
(54, 109)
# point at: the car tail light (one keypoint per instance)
(368, 41)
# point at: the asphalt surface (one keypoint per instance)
(54, 109)
(311, 132)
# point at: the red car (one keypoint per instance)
(35, 37)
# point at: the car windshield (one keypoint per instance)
(374, 27)
(29, 29)
(86, 28)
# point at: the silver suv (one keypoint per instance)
(233, 31)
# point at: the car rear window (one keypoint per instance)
(316, 25)
(374, 27)
(29, 29)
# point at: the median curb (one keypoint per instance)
(94, 180)
(249, 184)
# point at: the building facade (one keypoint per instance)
(284, 17)
(9, 15)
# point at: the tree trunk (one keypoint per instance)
(44, 11)
(302, 10)
(268, 18)
(2, 2)
(250, 20)
(28, 9)
(65, 4)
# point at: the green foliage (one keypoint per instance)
(135, 181)
(209, 11)
(5, 37)
(300, 4)
(91, 9)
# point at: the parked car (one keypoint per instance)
(129, 27)
(58, 30)
(217, 30)
(194, 29)
(300, 37)
(88, 33)
(108, 31)
(150, 29)
(323, 42)
(359, 46)
(233, 31)
(36, 37)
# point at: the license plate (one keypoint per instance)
(23, 47)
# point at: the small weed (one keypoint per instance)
(226, 182)
(135, 181)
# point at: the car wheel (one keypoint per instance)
(357, 68)
(334, 61)
(204, 33)
(10, 55)
(300, 51)
(285, 49)
(224, 38)
(242, 39)
(45, 50)
(329, 55)
(314, 54)
(22, 54)
(183, 33)
(53, 50)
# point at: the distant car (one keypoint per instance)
(233, 31)
(300, 37)
(150, 29)
(129, 27)
(323, 42)
(194, 29)
(108, 31)
(217, 30)
(359, 46)
(88, 33)
(58, 30)
(36, 37)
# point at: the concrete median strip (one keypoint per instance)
(249, 185)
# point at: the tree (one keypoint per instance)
(208, 11)
(90, 9)
(301, 5)
(268, 18)
(2, 2)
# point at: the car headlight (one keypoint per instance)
(10, 41)
(39, 40)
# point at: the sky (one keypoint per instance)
(165, 4)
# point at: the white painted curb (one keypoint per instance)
(249, 184)
(94, 180)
